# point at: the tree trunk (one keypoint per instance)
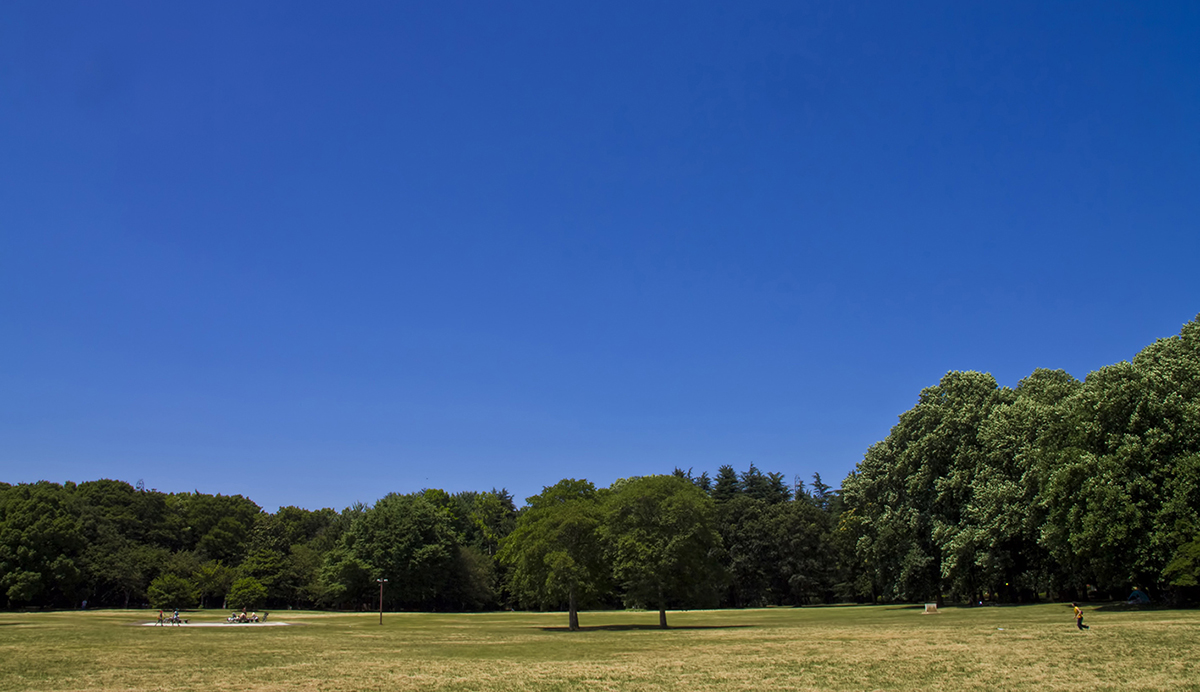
(662, 616)
(572, 611)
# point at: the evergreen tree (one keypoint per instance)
(726, 486)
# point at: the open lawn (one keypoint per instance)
(831, 648)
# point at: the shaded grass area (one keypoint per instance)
(626, 628)
(833, 648)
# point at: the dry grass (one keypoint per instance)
(859, 648)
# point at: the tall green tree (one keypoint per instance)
(776, 552)
(1121, 496)
(219, 526)
(554, 554)
(726, 485)
(822, 494)
(751, 551)
(487, 517)
(40, 544)
(996, 545)
(768, 487)
(411, 542)
(345, 581)
(212, 581)
(908, 494)
(662, 542)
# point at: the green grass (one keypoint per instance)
(834, 648)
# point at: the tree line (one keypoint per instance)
(1055, 488)
(678, 540)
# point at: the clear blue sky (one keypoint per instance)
(317, 252)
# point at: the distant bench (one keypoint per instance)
(930, 609)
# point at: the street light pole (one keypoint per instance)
(381, 583)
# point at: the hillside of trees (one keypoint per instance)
(1057, 488)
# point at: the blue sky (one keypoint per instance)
(313, 253)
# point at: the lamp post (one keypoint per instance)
(381, 583)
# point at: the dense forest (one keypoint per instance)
(1057, 488)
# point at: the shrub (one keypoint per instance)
(246, 592)
(171, 591)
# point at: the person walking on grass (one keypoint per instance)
(160, 617)
(1079, 617)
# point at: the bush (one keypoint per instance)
(171, 591)
(246, 592)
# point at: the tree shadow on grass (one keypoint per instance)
(626, 628)
(1124, 607)
(962, 606)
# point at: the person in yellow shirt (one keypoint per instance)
(1079, 617)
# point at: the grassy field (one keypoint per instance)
(833, 648)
